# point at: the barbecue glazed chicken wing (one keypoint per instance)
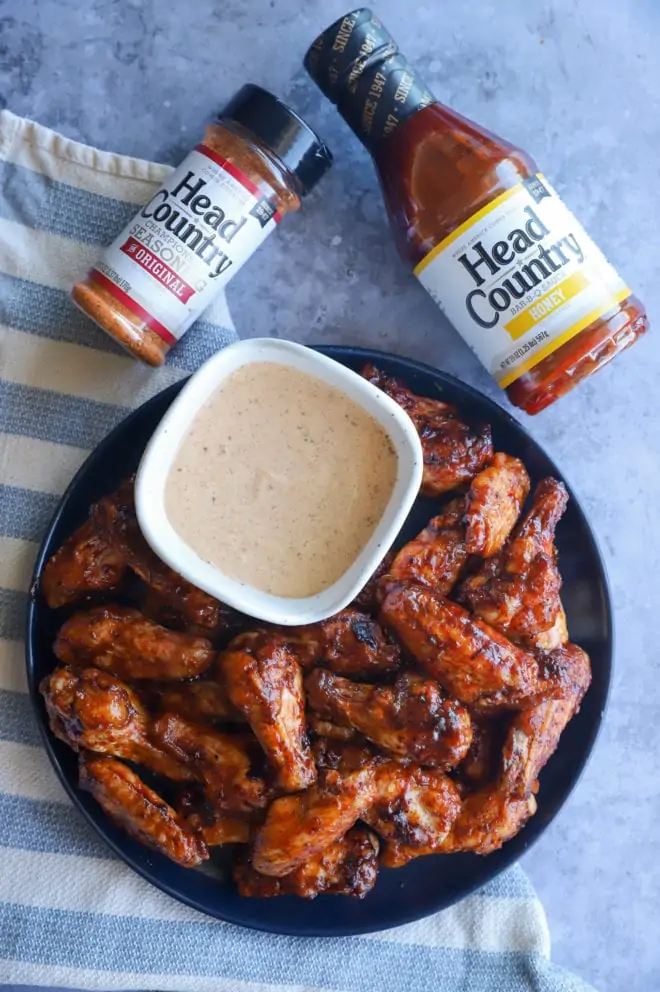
(115, 518)
(139, 810)
(225, 763)
(300, 827)
(349, 867)
(517, 590)
(493, 504)
(349, 643)
(413, 812)
(264, 683)
(92, 710)
(453, 451)
(472, 661)
(534, 733)
(120, 640)
(85, 564)
(436, 557)
(410, 719)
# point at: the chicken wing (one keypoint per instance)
(493, 504)
(86, 563)
(487, 820)
(517, 590)
(348, 868)
(115, 518)
(139, 811)
(265, 684)
(121, 640)
(214, 826)
(94, 711)
(534, 733)
(453, 451)
(300, 827)
(349, 643)
(414, 811)
(471, 660)
(224, 762)
(435, 558)
(411, 719)
(202, 701)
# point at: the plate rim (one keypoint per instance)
(503, 864)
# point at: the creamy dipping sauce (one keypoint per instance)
(280, 480)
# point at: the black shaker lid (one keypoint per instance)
(301, 150)
(356, 63)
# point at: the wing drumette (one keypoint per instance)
(94, 711)
(264, 683)
(86, 563)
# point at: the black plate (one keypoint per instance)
(428, 884)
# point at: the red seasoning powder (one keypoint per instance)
(252, 167)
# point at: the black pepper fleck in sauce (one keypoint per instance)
(288, 499)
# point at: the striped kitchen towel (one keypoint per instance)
(71, 914)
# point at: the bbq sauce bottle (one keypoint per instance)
(483, 230)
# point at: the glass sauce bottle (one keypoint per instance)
(485, 233)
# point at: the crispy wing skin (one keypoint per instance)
(202, 701)
(435, 558)
(414, 811)
(140, 811)
(86, 563)
(411, 719)
(120, 640)
(224, 762)
(487, 820)
(214, 826)
(349, 643)
(368, 600)
(534, 733)
(453, 451)
(471, 660)
(265, 684)
(300, 827)
(115, 518)
(348, 868)
(517, 590)
(94, 711)
(493, 504)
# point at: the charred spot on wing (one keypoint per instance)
(364, 633)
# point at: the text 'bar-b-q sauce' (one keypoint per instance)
(486, 234)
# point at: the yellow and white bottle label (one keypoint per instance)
(520, 278)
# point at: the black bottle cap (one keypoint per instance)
(356, 63)
(277, 126)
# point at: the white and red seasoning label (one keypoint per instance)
(186, 243)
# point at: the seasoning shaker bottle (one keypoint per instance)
(484, 232)
(254, 164)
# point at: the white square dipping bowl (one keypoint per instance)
(163, 446)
